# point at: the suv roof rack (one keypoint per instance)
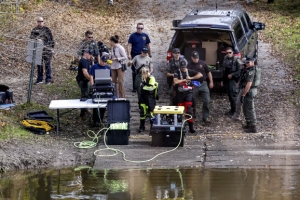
(210, 11)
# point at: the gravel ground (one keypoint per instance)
(216, 145)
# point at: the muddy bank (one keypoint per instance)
(42, 153)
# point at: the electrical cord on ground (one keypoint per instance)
(142, 161)
(95, 139)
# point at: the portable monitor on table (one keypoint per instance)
(102, 76)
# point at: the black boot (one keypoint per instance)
(247, 125)
(191, 127)
(251, 129)
(142, 125)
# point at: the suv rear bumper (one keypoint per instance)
(216, 74)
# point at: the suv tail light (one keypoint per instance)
(239, 55)
(169, 55)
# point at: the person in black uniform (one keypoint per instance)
(184, 89)
(173, 65)
(200, 66)
(44, 33)
(83, 77)
(232, 70)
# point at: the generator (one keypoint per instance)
(167, 129)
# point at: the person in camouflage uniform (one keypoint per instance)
(248, 96)
(90, 44)
(173, 65)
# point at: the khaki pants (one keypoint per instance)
(248, 107)
(118, 80)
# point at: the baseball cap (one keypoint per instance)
(243, 61)
(247, 60)
(195, 54)
(176, 50)
(88, 51)
(183, 64)
(104, 58)
(145, 49)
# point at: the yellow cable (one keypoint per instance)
(133, 161)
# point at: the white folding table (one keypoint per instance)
(73, 103)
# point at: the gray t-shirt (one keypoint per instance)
(139, 60)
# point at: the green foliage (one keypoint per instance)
(67, 90)
(14, 131)
(10, 120)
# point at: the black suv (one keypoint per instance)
(210, 31)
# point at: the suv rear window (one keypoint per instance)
(238, 31)
(202, 36)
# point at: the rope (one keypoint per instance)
(93, 143)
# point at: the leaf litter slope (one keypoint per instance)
(68, 25)
(278, 118)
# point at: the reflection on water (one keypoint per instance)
(188, 184)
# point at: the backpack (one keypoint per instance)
(257, 77)
(102, 48)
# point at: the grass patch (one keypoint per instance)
(282, 19)
(10, 121)
(282, 28)
(68, 90)
(11, 131)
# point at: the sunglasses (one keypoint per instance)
(140, 28)
(40, 21)
(228, 52)
(90, 37)
(176, 53)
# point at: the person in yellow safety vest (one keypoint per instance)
(148, 97)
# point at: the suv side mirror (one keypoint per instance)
(259, 26)
(176, 22)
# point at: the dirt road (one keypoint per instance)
(223, 143)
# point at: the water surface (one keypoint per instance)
(152, 184)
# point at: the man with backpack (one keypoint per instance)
(249, 82)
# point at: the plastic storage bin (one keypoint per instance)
(118, 111)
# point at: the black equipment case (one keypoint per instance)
(3, 97)
(40, 115)
(118, 111)
(103, 93)
(167, 136)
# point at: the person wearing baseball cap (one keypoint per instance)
(184, 90)
(83, 77)
(99, 66)
(200, 66)
(139, 61)
(173, 65)
(247, 98)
